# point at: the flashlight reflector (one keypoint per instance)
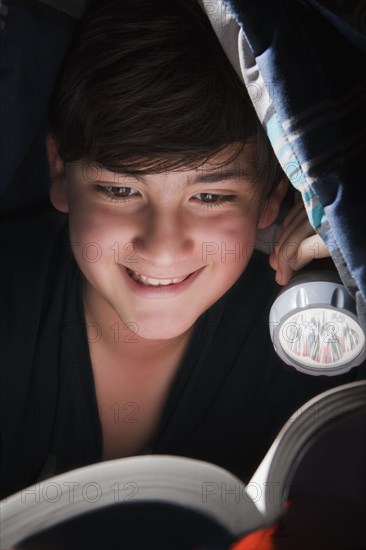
(314, 326)
(320, 336)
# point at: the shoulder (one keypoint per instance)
(24, 226)
(28, 239)
(240, 318)
(35, 251)
(255, 289)
(35, 292)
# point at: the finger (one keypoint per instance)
(310, 248)
(286, 247)
(294, 218)
(291, 252)
(291, 225)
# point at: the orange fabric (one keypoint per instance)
(259, 540)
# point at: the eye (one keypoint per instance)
(212, 200)
(117, 193)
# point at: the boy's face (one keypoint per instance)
(164, 226)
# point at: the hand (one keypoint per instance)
(297, 246)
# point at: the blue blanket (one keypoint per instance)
(304, 69)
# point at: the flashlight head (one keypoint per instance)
(314, 325)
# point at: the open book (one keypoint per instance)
(163, 501)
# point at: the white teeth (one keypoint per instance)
(153, 282)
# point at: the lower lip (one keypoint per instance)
(159, 291)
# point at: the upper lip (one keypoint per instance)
(161, 278)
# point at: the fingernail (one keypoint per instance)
(273, 262)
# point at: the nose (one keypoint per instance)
(165, 240)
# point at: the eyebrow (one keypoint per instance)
(213, 177)
(229, 173)
(203, 177)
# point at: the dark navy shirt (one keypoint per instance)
(230, 396)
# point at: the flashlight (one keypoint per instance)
(314, 326)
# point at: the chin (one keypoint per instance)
(155, 331)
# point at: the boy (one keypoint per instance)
(147, 312)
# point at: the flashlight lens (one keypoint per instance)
(319, 337)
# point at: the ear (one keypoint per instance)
(273, 204)
(58, 187)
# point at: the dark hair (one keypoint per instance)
(146, 87)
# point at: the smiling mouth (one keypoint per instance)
(150, 281)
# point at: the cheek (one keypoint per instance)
(227, 252)
(99, 238)
(230, 240)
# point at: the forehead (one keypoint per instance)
(233, 162)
